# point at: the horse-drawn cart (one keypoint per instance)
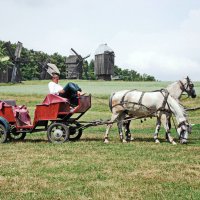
(55, 115)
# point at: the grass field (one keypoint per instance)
(90, 169)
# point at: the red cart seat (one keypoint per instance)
(14, 114)
(51, 107)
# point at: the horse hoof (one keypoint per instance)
(124, 141)
(157, 141)
(106, 141)
(174, 143)
(132, 139)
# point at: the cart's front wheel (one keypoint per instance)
(3, 134)
(57, 133)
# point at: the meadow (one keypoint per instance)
(90, 169)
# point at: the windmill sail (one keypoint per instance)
(16, 63)
(52, 69)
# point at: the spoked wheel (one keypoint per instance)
(75, 133)
(57, 133)
(16, 136)
(3, 134)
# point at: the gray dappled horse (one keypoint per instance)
(139, 104)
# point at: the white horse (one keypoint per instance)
(139, 104)
(175, 89)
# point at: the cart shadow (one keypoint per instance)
(30, 141)
(36, 141)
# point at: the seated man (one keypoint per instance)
(70, 90)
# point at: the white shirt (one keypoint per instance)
(54, 88)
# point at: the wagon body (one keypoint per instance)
(53, 109)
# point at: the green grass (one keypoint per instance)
(90, 169)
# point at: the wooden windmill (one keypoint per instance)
(74, 69)
(47, 69)
(104, 62)
(43, 69)
(13, 74)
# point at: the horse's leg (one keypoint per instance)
(165, 121)
(127, 130)
(113, 118)
(158, 124)
(120, 126)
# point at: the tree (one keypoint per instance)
(91, 70)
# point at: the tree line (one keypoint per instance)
(31, 65)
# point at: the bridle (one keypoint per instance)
(184, 86)
(179, 126)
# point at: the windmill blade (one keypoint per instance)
(78, 56)
(52, 69)
(18, 50)
(7, 46)
(86, 57)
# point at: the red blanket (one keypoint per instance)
(51, 98)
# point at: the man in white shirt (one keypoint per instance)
(54, 87)
(70, 91)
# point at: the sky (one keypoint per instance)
(155, 37)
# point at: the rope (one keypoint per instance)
(192, 109)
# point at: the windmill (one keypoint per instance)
(15, 58)
(74, 64)
(48, 69)
(104, 62)
(43, 69)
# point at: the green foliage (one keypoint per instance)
(131, 75)
(4, 60)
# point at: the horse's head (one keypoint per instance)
(183, 130)
(188, 87)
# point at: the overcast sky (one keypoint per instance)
(156, 37)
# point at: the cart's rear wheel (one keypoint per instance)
(16, 136)
(3, 133)
(75, 133)
(57, 133)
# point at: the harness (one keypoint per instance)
(123, 102)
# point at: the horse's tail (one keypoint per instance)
(110, 101)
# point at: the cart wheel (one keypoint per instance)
(3, 134)
(57, 133)
(16, 136)
(74, 133)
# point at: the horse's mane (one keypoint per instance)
(181, 107)
(172, 84)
